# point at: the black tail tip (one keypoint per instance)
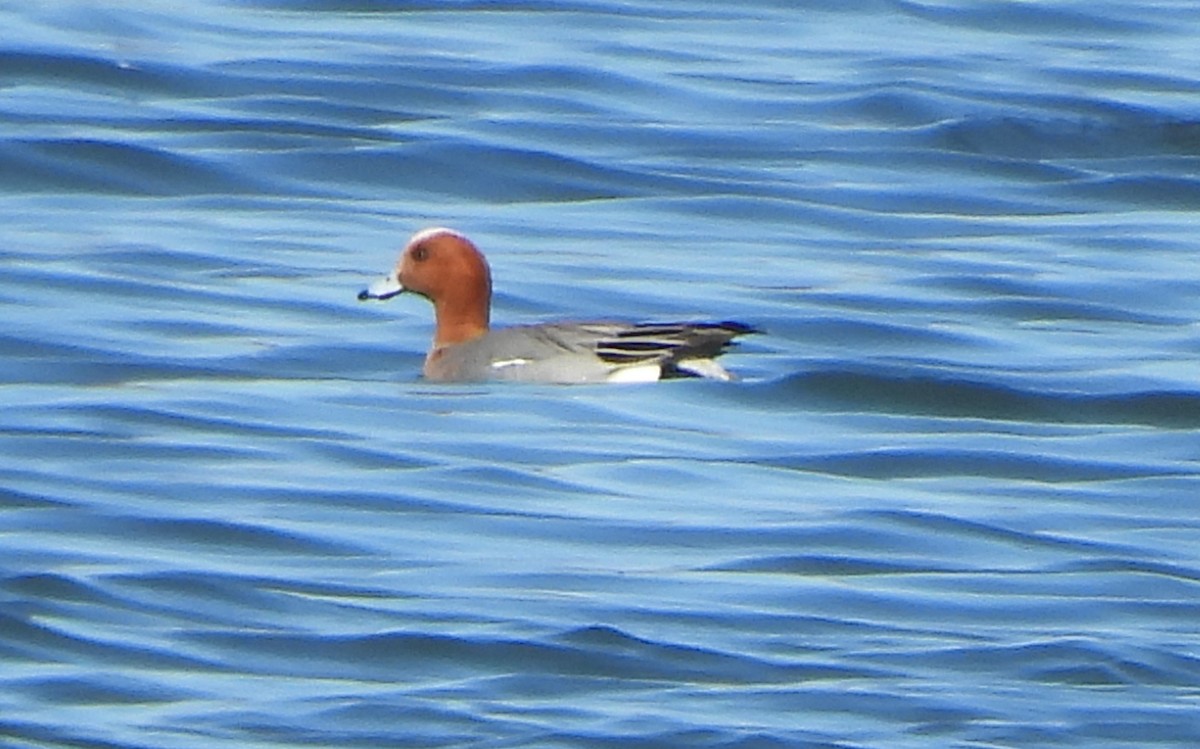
(739, 328)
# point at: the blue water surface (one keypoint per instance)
(952, 500)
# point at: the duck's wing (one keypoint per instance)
(682, 349)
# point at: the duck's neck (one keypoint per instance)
(460, 320)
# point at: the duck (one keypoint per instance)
(447, 268)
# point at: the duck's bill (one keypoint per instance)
(384, 288)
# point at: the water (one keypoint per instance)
(952, 501)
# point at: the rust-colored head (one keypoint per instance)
(446, 268)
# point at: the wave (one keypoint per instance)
(862, 391)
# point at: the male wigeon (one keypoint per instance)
(445, 267)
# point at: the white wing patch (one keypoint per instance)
(638, 373)
(502, 363)
(705, 368)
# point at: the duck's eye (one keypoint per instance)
(420, 253)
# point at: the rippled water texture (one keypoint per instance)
(951, 502)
